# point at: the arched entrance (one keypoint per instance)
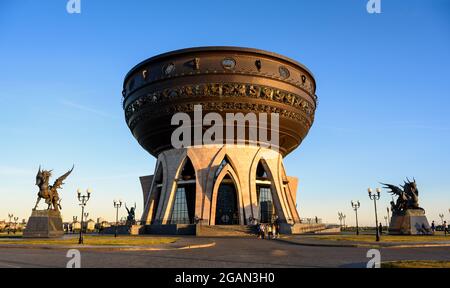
(227, 206)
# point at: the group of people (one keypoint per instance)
(266, 230)
(444, 227)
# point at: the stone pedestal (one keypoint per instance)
(410, 222)
(44, 224)
(124, 230)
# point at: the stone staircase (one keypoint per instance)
(226, 230)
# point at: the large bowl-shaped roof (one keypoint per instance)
(222, 80)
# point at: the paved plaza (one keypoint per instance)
(226, 253)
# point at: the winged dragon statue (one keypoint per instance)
(49, 192)
(407, 196)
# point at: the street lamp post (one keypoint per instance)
(375, 197)
(75, 219)
(117, 205)
(86, 215)
(83, 199)
(444, 224)
(15, 224)
(341, 217)
(10, 222)
(355, 206)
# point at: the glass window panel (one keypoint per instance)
(267, 210)
(180, 213)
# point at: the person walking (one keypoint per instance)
(274, 231)
(433, 227)
(380, 228)
(269, 231)
(445, 228)
(258, 230)
(277, 226)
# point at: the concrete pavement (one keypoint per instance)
(227, 253)
(317, 242)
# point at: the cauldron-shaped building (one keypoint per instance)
(236, 181)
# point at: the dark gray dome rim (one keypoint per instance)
(218, 49)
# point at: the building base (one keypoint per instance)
(300, 228)
(124, 230)
(44, 224)
(410, 222)
(224, 230)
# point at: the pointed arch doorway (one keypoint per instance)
(227, 212)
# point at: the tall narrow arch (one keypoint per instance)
(227, 196)
(183, 207)
(153, 201)
(264, 195)
(227, 208)
(156, 193)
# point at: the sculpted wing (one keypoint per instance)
(394, 189)
(59, 182)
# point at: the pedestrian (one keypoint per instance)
(277, 226)
(258, 230)
(381, 228)
(274, 231)
(269, 231)
(263, 230)
(445, 228)
(433, 227)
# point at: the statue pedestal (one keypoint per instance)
(410, 222)
(44, 224)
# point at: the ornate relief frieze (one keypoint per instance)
(232, 90)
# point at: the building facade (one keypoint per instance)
(232, 180)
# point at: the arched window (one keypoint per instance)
(180, 213)
(183, 210)
(264, 195)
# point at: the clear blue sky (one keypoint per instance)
(383, 87)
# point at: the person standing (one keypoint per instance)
(277, 226)
(380, 228)
(433, 227)
(274, 231)
(445, 228)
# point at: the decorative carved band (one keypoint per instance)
(220, 106)
(221, 90)
(142, 79)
